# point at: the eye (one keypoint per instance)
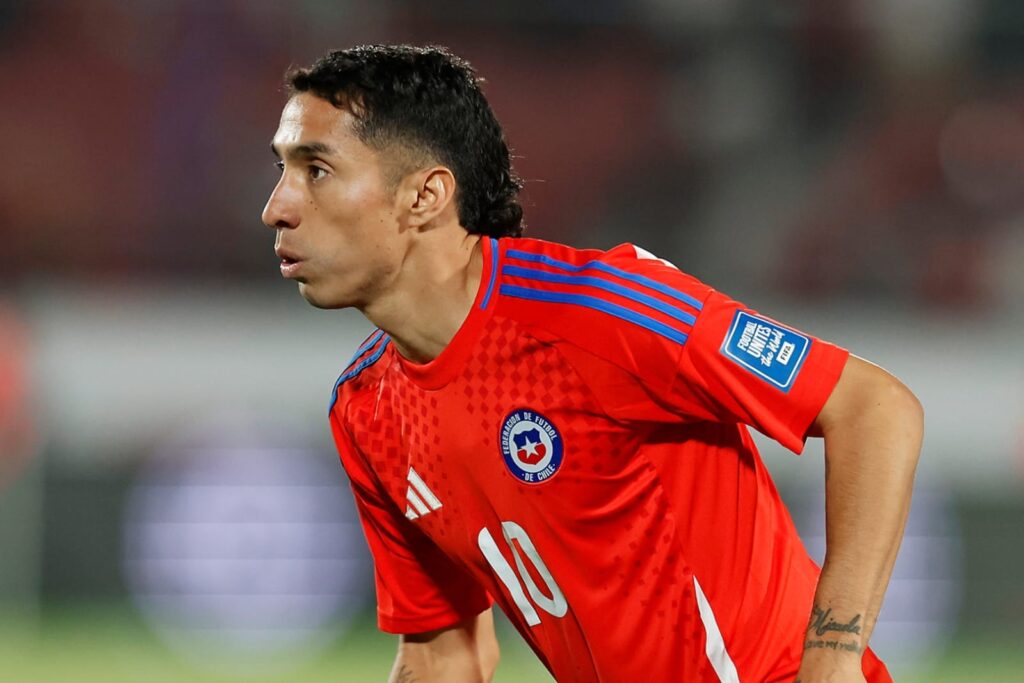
(280, 165)
(316, 173)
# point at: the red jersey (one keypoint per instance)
(579, 453)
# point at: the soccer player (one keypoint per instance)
(565, 431)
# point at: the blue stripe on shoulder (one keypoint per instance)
(371, 340)
(352, 372)
(611, 270)
(593, 302)
(657, 304)
(494, 273)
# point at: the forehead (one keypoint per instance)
(307, 118)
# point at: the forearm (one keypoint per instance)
(872, 441)
(464, 653)
(417, 665)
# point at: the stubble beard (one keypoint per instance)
(359, 295)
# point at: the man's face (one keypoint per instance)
(339, 233)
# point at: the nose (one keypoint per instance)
(281, 210)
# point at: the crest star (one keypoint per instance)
(530, 447)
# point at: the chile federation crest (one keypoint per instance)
(531, 446)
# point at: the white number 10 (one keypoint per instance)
(554, 605)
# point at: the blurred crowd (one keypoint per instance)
(853, 148)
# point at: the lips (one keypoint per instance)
(290, 262)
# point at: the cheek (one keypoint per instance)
(350, 206)
(357, 229)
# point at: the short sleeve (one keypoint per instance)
(418, 587)
(739, 365)
(714, 359)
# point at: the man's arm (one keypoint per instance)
(873, 427)
(464, 653)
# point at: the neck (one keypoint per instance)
(432, 294)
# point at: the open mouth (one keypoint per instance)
(290, 267)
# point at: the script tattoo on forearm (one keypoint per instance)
(822, 623)
(832, 645)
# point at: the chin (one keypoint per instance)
(318, 300)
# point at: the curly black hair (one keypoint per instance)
(429, 101)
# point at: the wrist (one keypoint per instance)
(832, 631)
(831, 646)
(827, 665)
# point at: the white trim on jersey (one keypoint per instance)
(419, 497)
(714, 645)
(645, 255)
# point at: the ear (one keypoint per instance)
(435, 194)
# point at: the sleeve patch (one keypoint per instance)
(772, 352)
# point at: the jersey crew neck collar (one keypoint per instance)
(451, 360)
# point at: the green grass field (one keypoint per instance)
(112, 645)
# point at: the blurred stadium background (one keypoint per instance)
(170, 504)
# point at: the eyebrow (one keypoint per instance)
(304, 151)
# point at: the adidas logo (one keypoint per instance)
(421, 499)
